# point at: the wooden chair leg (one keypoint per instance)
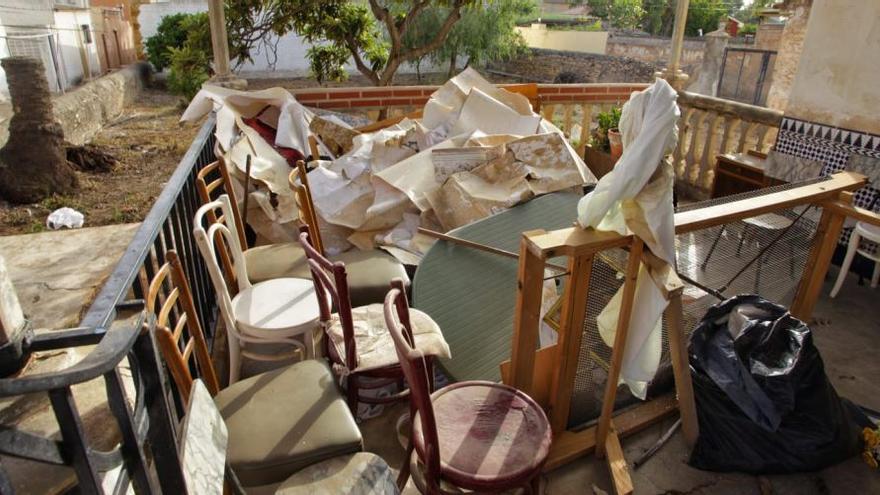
(403, 477)
(534, 487)
(351, 394)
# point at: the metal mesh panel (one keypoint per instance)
(779, 244)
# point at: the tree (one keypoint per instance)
(704, 15)
(33, 163)
(625, 14)
(370, 33)
(482, 34)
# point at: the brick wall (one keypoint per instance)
(416, 96)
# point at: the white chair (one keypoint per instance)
(861, 231)
(270, 312)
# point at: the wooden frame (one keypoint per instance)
(531, 369)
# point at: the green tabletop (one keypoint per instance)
(471, 294)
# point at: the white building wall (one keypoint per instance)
(291, 61)
(34, 27)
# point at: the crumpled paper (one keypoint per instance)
(637, 196)
(478, 149)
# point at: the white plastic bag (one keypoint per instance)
(65, 217)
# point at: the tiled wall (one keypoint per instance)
(832, 146)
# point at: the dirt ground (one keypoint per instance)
(148, 143)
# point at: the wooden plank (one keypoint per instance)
(824, 244)
(728, 212)
(576, 241)
(545, 364)
(570, 445)
(571, 331)
(626, 306)
(681, 370)
(527, 317)
(623, 484)
(854, 212)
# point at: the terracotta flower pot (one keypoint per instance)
(616, 143)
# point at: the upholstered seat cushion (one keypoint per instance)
(285, 259)
(375, 348)
(284, 420)
(369, 274)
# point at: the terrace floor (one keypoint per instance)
(846, 327)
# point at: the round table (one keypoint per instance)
(471, 294)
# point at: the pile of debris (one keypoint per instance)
(474, 150)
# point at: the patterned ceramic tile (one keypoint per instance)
(833, 147)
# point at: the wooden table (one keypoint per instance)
(471, 294)
(738, 172)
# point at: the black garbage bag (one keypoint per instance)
(764, 403)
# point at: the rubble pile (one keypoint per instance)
(474, 150)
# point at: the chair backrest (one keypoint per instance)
(210, 237)
(178, 329)
(308, 216)
(415, 370)
(210, 190)
(331, 287)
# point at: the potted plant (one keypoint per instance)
(606, 146)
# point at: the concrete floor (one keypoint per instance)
(846, 331)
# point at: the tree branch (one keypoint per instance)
(359, 62)
(412, 14)
(440, 37)
(382, 14)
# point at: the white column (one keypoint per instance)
(672, 72)
(220, 45)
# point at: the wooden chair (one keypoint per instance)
(263, 262)
(279, 422)
(473, 435)
(355, 339)
(369, 271)
(271, 312)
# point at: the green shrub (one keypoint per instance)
(170, 34)
(183, 45)
(606, 120)
(748, 29)
(190, 68)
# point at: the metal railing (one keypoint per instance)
(167, 226)
(146, 458)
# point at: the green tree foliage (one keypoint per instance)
(168, 34)
(625, 14)
(183, 46)
(705, 15)
(482, 34)
(372, 33)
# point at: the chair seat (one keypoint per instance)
(375, 348)
(369, 273)
(490, 434)
(282, 260)
(868, 231)
(284, 420)
(277, 308)
(356, 474)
